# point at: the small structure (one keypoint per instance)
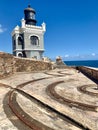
(28, 40)
(58, 63)
(59, 60)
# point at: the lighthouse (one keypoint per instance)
(28, 39)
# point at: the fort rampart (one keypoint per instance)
(10, 64)
(91, 72)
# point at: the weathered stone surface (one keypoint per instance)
(31, 85)
(10, 64)
(90, 71)
(50, 112)
(59, 63)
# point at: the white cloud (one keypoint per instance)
(93, 54)
(2, 29)
(66, 56)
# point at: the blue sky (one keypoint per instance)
(72, 26)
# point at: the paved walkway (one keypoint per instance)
(54, 100)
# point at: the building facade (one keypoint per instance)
(28, 40)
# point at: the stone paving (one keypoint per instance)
(37, 89)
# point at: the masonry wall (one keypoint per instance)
(91, 72)
(10, 64)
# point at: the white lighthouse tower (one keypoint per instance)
(28, 40)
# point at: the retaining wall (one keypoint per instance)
(91, 72)
(10, 64)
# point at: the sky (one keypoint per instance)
(71, 26)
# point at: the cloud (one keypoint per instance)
(2, 29)
(90, 56)
(93, 54)
(66, 56)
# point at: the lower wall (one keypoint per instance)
(10, 64)
(91, 72)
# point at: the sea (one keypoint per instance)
(90, 63)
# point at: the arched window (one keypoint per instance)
(34, 40)
(14, 44)
(20, 40)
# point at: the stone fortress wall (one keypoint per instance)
(10, 64)
(89, 71)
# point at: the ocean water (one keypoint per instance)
(90, 63)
